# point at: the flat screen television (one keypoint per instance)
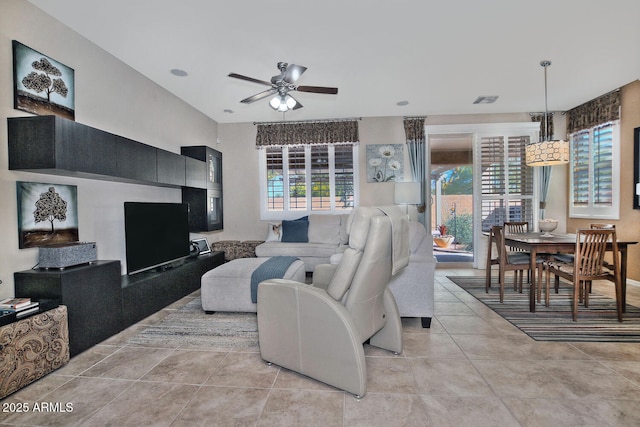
(156, 234)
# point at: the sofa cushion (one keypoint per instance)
(345, 220)
(417, 234)
(344, 273)
(311, 249)
(295, 231)
(324, 228)
(274, 233)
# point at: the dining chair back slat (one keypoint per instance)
(516, 227)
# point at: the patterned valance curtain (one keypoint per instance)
(316, 132)
(545, 171)
(539, 117)
(603, 109)
(414, 131)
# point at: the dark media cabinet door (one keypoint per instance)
(92, 294)
(205, 203)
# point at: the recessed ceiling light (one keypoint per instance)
(178, 72)
(486, 99)
(402, 103)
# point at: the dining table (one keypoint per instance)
(536, 243)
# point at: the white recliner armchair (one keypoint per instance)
(319, 330)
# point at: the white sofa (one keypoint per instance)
(327, 235)
(412, 288)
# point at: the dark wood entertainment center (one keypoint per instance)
(100, 301)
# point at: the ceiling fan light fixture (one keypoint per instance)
(275, 102)
(280, 86)
(282, 103)
(289, 101)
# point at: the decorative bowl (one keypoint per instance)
(547, 226)
(443, 241)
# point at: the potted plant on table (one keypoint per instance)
(444, 239)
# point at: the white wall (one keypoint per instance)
(109, 96)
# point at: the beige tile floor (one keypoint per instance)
(472, 368)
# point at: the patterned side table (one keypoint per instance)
(32, 347)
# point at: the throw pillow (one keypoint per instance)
(274, 233)
(295, 231)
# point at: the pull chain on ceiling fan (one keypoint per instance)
(281, 85)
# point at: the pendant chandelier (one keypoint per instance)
(547, 152)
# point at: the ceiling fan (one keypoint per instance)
(281, 85)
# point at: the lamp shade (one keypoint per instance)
(547, 153)
(406, 193)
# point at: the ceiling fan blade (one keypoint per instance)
(293, 73)
(318, 89)
(259, 96)
(298, 105)
(249, 79)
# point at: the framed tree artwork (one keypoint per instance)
(42, 85)
(47, 214)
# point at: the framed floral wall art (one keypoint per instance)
(385, 163)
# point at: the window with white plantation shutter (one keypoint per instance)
(297, 179)
(275, 178)
(316, 178)
(344, 176)
(580, 161)
(506, 192)
(595, 175)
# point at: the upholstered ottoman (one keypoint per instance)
(228, 287)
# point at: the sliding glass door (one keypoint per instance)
(503, 187)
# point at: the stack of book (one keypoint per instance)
(21, 306)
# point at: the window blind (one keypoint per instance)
(507, 182)
(592, 166)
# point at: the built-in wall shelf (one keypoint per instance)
(205, 213)
(53, 145)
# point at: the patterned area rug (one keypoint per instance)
(190, 327)
(598, 323)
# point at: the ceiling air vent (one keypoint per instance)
(485, 99)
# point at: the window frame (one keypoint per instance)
(286, 213)
(593, 211)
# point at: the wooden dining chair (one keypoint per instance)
(490, 261)
(600, 226)
(511, 261)
(588, 265)
(517, 227)
(569, 258)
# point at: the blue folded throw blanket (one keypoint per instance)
(273, 268)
